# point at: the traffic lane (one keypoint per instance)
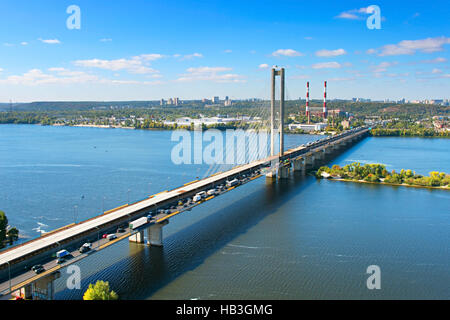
(75, 256)
(97, 245)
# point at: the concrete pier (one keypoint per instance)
(138, 237)
(283, 171)
(309, 162)
(155, 234)
(299, 166)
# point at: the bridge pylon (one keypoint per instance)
(277, 127)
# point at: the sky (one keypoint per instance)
(152, 49)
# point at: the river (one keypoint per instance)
(295, 239)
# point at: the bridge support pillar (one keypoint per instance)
(309, 162)
(155, 234)
(138, 237)
(28, 292)
(271, 176)
(283, 171)
(329, 150)
(319, 156)
(299, 166)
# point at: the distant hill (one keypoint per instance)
(76, 105)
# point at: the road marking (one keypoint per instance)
(167, 217)
(116, 209)
(186, 184)
(103, 246)
(33, 279)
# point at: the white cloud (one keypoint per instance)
(263, 66)
(192, 56)
(149, 57)
(228, 51)
(436, 71)
(287, 53)
(136, 65)
(24, 43)
(408, 47)
(435, 60)
(208, 69)
(326, 65)
(354, 14)
(346, 15)
(37, 77)
(50, 41)
(62, 76)
(330, 53)
(105, 40)
(383, 66)
(214, 74)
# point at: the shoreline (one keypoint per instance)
(389, 184)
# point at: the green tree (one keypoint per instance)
(100, 291)
(12, 235)
(3, 226)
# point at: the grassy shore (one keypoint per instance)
(377, 173)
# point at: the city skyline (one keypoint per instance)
(176, 49)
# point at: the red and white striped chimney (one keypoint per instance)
(325, 112)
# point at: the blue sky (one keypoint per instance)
(142, 50)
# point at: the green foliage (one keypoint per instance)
(100, 291)
(12, 235)
(378, 173)
(408, 128)
(7, 235)
(3, 226)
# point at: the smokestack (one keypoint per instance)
(325, 112)
(307, 102)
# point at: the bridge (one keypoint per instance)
(15, 263)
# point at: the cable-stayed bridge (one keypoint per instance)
(150, 215)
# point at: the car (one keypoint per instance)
(39, 270)
(104, 236)
(111, 237)
(197, 198)
(211, 192)
(61, 260)
(85, 247)
(202, 194)
(38, 266)
(120, 230)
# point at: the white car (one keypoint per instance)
(111, 237)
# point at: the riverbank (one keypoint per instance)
(377, 173)
(389, 184)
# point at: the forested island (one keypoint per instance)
(377, 173)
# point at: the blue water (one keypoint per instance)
(296, 239)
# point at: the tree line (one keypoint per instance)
(379, 173)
